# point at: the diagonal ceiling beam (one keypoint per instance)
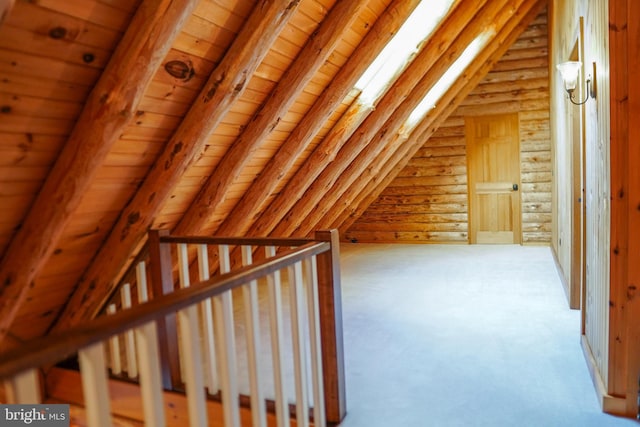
(312, 56)
(225, 85)
(266, 183)
(361, 195)
(110, 106)
(312, 179)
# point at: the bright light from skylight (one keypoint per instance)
(447, 79)
(393, 58)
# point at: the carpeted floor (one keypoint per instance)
(456, 335)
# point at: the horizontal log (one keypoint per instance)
(435, 162)
(522, 64)
(424, 208)
(420, 199)
(537, 187)
(541, 237)
(428, 151)
(444, 141)
(500, 97)
(395, 237)
(412, 218)
(418, 172)
(431, 180)
(516, 54)
(536, 207)
(424, 190)
(509, 86)
(409, 226)
(528, 227)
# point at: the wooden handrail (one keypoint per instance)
(237, 241)
(56, 347)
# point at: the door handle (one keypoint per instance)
(515, 187)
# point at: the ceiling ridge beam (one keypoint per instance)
(109, 108)
(367, 194)
(308, 185)
(386, 140)
(266, 183)
(311, 57)
(225, 85)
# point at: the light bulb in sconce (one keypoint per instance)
(570, 72)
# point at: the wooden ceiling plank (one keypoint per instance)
(253, 201)
(452, 99)
(225, 85)
(5, 9)
(318, 47)
(399, 100)
(111, 104)
(387, 141)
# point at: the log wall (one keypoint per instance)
(427, 201)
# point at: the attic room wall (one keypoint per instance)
(566, 18)
(610, 317)
(427, 202)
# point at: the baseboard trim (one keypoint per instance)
(609, 404)
(563, 279)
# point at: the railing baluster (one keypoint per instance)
(150, 370)
(190, 349)
(114, 347)
(225, 335)
(93, 372)
(274, 289)
(23, 388)
(129, 340)
(252, 318)
(319, 419)
(299, 344)
(210, 364)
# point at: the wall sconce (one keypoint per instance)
(570, 71)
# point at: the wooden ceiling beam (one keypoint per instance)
(5, 9)
(226, 84)
(112, 103)
(359, 196)
(254, 199)
(309, 184)
(312, 56)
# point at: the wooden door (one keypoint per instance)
(493, 161)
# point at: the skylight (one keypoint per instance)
(397, 53)
(447, 79)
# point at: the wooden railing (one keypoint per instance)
(198, 351)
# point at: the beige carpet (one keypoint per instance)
(462, 335)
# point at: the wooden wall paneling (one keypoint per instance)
(349, 219)
(96, 129)
(225, 85)
(266, 183)
(369, 138)
(313, 54)
(633, 268)
(624, 333)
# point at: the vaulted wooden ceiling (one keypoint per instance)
(223, 117)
